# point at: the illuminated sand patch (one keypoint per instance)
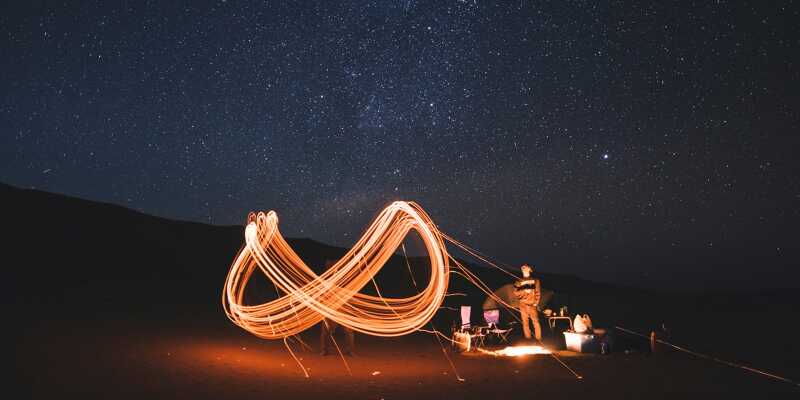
(517, 351)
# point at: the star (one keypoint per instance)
(494, 121)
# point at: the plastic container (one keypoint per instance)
(581, 342)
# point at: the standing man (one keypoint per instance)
(328, 330)
(529, 291)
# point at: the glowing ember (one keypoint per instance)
(334, 294)
(517, 351)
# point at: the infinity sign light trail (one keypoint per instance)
(335, 294)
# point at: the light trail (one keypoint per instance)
(334, 294)
(308, 298)
(712, 358)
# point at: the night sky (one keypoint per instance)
(642, 143)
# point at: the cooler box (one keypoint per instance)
(581, 342)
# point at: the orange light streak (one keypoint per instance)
(334, 294)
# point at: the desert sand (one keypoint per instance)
(107, 359)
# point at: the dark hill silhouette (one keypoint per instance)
(60, 248)
(96, 257)
(67, 249)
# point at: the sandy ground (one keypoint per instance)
(101, 359)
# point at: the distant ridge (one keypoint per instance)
(100, 256)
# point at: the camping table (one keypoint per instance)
(552, 321)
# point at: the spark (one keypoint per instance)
(308, 297)
(334, 294)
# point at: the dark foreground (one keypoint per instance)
(102, 359)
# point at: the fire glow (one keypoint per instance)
(518, 351)
(305, 298)
(334, 294)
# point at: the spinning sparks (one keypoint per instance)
(308, 298)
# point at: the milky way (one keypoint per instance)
(636, 142)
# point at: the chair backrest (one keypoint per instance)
(465, 314)
(492, 317)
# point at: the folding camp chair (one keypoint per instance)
(492, 318)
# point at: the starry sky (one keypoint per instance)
(636, 142)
